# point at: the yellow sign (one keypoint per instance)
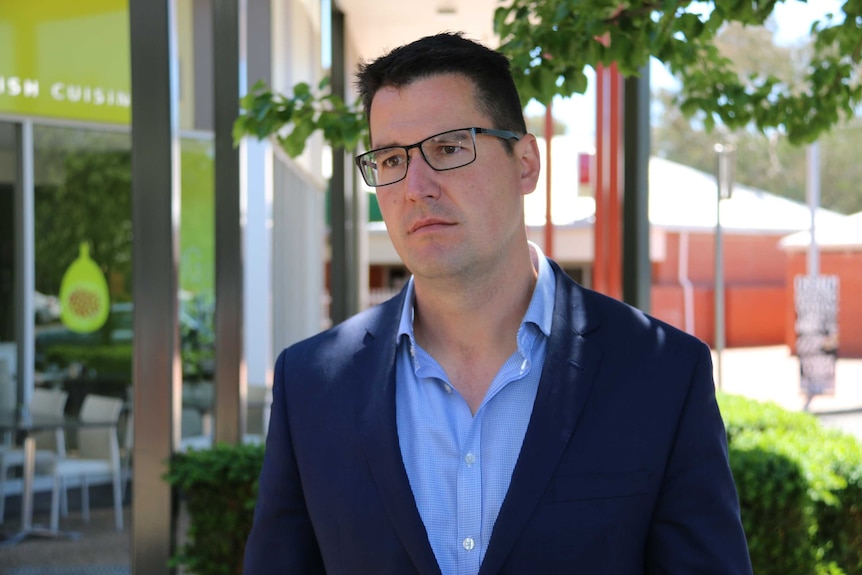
(66, 59)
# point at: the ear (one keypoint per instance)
(527, 152)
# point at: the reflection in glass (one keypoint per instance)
(83, 245)
(83, 220)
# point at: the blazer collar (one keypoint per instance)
(375, 401)
(567, 378)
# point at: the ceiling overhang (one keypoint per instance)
(374, 28)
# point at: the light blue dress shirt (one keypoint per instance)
(460, 465)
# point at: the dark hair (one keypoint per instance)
(448, 53)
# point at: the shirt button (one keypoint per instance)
(470, 459)
(468, 543)
(447, 387)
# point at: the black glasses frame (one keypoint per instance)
(362, 159)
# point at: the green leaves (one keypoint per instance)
(552, 42)
(220, 489)
(292, 120)
(571, 35)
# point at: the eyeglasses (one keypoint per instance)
(444, 151)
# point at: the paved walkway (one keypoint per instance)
(101, 550)
(772, 374)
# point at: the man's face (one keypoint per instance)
(457, 223)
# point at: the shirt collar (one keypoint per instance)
(540, 311)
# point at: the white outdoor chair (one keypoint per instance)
(49, 444)
(98, 455)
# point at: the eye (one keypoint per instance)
(449, 149)
(392, 161)
(446, 149)
(389, 159)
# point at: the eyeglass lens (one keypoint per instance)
(445, 151)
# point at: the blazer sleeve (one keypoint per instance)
(282, 538)
(696, 527)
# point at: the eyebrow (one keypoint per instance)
(399, 145)
(392, 145)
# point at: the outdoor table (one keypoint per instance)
(28, 424)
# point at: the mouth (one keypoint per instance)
(427, 225)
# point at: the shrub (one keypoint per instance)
(775, 508)
(794, 475)
(746, 415)
(220, 490)
(840, 523)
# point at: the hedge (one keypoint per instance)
(800, 488)
(799, 485)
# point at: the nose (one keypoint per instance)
(420, 180)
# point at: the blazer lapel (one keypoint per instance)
(377, 425)
(567, 377)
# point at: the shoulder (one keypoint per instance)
(339, 342)
(617, 324)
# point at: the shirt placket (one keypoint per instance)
(469, 493)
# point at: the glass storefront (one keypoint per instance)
(75, 95)
(65, 194)
(66, 285)
(64, 76)
(8, 181)
(83, 258)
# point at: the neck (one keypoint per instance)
(482, 314)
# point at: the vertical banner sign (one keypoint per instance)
(816, 299)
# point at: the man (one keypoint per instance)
(495, 417)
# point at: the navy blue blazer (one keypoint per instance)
(623, 468)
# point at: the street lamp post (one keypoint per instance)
(726, 154)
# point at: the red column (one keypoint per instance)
(607, 230)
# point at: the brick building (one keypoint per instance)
(682, 212)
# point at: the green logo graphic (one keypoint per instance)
(84, 296)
